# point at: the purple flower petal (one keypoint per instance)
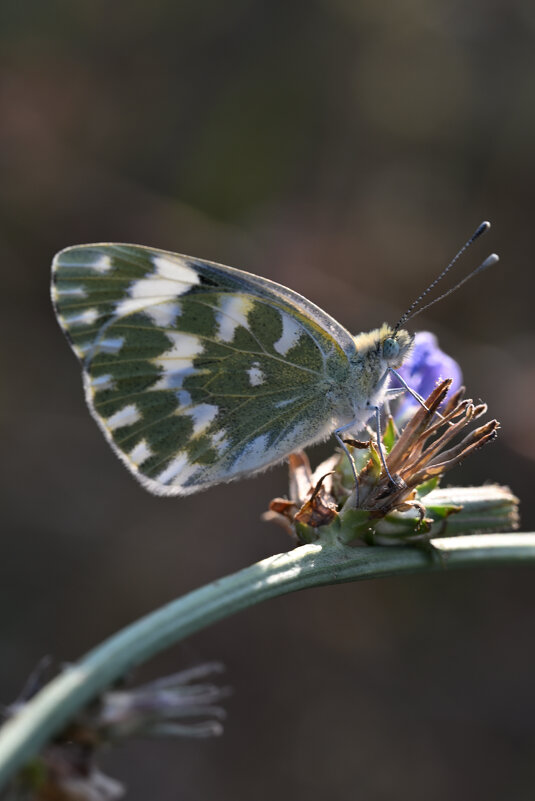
(425, 367)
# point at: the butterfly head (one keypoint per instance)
(384, 347)
(396, 345)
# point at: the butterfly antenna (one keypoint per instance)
(481, 229)
(489, 261)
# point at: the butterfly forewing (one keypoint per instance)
(197, 373)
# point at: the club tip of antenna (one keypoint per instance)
(481, 229)
(490, 260)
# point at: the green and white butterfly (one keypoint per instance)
(199, 373)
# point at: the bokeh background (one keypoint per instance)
(345, 148)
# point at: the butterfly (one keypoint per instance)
(199, 373)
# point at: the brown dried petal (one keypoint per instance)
(418, 424)
(454, 401)
(426, 454)
(467, 443)
(282, 506)
(300, 477)
(320, 509)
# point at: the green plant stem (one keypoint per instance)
(307, 566)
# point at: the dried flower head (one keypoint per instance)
(175, 706)
(430, 444)
(66, 770)
(424, 450)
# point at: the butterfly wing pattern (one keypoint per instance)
(197, 373)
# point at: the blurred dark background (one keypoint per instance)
(346, 149)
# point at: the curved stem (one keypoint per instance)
(307, 566)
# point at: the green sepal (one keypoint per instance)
(354, 524)
(361, 459)
(377, 465)
(442, 511)
(428, 486)
(403, 525)
(305, 534)
(390, 434)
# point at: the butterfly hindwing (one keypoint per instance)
(197, 373)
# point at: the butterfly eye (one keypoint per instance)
(390, 348)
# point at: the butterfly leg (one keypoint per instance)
(412, 392)
(380, 446)
(393, 393)
(344, 447)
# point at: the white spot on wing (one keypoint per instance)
(102, 264)
(164, 314)
(170, 279)
(177, 362)
(183, 346)
(252, 455)
(157, 288)
(178, 471)
(291, 333)
(176, 370)
(86, 317)
(220, 441)
(124, 417)
(110, 345)
(131, 306)
(256, 376)
(184, 398)
(140, 453)
(175, 269)
(202, 415)
(190, 471)
(102, 382)
(281, 404)
(233, 311)
(70, 292)
(296, 433)
(173, 469)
